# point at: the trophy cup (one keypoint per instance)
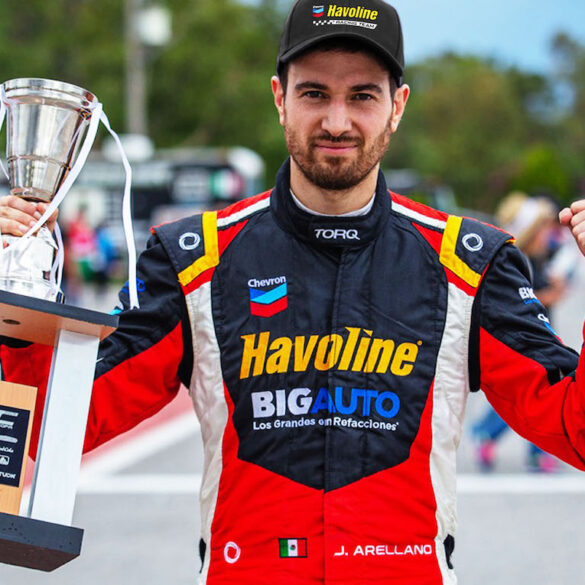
(51, 127)
(46, 123)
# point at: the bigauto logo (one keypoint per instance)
(299, 401)
(354, 408)
(336, 234)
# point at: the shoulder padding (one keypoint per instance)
(468, 246)
(191, 244)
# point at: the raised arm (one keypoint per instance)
(532, 380)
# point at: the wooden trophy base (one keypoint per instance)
(35, 544)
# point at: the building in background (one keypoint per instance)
(166, 185)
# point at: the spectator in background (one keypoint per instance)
(567, 314)
(105, 259)
(532, 221)
(91, 258)
(82, 243)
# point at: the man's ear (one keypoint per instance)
(400, 99)
(278, 93)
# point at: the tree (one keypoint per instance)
(212, 85)
(541, 169)
(465, 123)
(81, 42)
(570, 82)
(209, 87)
(470, 122)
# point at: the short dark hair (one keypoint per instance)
(337, 44)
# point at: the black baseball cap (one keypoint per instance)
(373, 22)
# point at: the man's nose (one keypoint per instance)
(337, 120)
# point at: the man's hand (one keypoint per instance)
(17, 215)
(574, 218)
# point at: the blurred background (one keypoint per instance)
(497, 107)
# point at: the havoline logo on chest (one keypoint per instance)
(356, 351)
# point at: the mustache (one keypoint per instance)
(342, 139)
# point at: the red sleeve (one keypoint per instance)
(140, 366)
(551, 416)
(134, 390)
(533, 381)
(30, 366)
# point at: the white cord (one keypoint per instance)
(126, 217)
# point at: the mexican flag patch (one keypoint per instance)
(292, 548)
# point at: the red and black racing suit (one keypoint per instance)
(329, 360)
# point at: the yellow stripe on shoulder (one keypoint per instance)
(448, 256)
(211, 257)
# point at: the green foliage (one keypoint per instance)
(466, 122)
(540, 169)
(78, 41)
(570, 81)
(212, 84)
(209, 86)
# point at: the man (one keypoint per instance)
(329, 333)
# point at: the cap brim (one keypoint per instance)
(395, 67)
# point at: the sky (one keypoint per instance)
(514, 32)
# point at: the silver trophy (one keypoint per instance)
(46, 126)
(51, 127)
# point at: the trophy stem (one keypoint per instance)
(25, 266)
(35, 195)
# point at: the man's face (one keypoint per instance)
(338, 116)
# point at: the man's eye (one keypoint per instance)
(363, 97)
(314, 94)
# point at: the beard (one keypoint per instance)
(337, 173)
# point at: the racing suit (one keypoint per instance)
(329, 360)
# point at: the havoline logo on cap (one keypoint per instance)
(339, 11)
(338, 14)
